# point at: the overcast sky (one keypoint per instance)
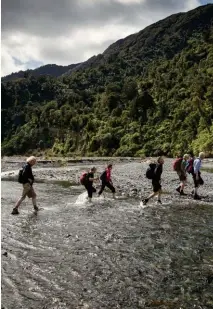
(37, 32)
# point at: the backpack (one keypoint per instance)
(190, 167)
(83, 178)
(177, 164)
(150, 172)
(20, 175)
(103, 176)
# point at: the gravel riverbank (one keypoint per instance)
(128, 175)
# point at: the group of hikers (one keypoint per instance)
(87, 179)
(182, 165)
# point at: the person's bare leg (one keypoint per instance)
(145, 201)
(34, 199)
(151, 195)
(18, 203)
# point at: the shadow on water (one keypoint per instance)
(112, 254)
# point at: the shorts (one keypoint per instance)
(198, 182)
(28, 191)
(156, 185)
(182, 176)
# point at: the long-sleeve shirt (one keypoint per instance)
(197, 165)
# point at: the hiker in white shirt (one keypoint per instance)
(197, 175)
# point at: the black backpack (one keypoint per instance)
(150, 172)
(103, 176)
(20, 174)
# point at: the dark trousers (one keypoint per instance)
(90, 189)
(108, 185)
(156, 185)
(198, 182)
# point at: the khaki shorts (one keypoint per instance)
(181, 175)
(28, 191)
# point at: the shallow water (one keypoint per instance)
(112, 254)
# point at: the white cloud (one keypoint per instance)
(8, 64)
(66, 32)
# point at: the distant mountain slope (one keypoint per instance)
(148, 94)
(49, 69)
(161, 39)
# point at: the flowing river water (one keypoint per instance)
(111, 254)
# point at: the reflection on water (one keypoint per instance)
(108, 255)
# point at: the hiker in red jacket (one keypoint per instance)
(106, 181)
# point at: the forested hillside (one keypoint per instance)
(148, 94)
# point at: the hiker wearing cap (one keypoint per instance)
(27, 179)
(198, 181)
(181, 171)
(154, 172)
(106, 181)
(87, 181)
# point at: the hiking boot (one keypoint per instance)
(145, 201)
(15, 211)
(197, 197)
(36, 208)
(178, 189)
(182, 193)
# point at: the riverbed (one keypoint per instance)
(109, 254)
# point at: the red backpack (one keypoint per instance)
(190, 167)
(177, 164)
(83, 178)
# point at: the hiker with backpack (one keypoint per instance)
(180, 165)
(198, 181)
(106, 181)
(189, 165)
(26, 178)
(86, 180)
(154, 172)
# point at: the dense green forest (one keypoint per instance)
(148, 94)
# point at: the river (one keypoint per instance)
(112, 254)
